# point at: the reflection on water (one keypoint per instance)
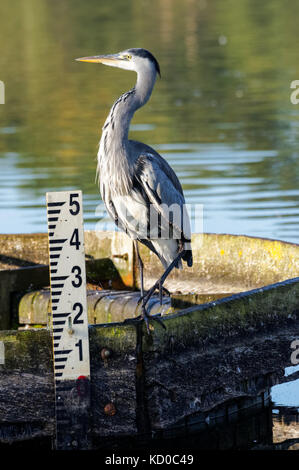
(285, 411)
(216, 175)
(221, 115)
(286, 428)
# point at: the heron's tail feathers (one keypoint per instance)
(188, 258)
(167, 251)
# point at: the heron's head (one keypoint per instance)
(138, 60)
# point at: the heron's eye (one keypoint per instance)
(128, 56)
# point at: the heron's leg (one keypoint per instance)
(140, 263)
(145, 315)
(149, 318)
(160, 293)
(161, 290)
(159, 283)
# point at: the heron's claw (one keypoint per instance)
(149, 318)
(160, 321)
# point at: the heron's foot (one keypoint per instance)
(157, 286)
(149, 319)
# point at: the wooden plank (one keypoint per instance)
(137, 389)
(247, 311)
(113, 384)
(186, 382)
(26, 386)
(210, 353)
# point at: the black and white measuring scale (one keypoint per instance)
(69, 319)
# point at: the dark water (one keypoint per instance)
(221, 114)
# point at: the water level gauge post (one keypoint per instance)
(69, 319)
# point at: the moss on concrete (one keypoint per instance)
(227, 317)
(27, 351)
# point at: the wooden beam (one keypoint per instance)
(135, 388)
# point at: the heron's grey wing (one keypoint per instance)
(161, 186)
(146, 150)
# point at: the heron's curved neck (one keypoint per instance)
(114, 152)
(121, 113)
(144, 86)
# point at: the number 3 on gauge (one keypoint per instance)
(78, 278)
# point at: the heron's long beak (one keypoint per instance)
(111, 59)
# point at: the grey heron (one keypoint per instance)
(137, 185)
